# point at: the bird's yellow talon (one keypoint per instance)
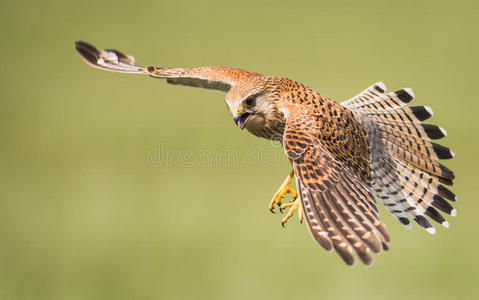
(293, 206)
(286, 205)
(283, 190)
(293, 193)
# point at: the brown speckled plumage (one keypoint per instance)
(345, 156)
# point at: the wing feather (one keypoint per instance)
(338, 205)
(214, 78)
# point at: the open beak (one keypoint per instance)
(240, 119)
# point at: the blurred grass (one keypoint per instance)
(84, 216)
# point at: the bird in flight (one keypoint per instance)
(345, 156)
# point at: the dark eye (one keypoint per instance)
(250, 100)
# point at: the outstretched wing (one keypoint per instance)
(216, 78)
(338, 206)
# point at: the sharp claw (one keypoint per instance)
(279, 206)
(280, 195)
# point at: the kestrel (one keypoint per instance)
(344, 156)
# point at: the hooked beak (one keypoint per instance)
(240, 119)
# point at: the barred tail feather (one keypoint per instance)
(406, 175)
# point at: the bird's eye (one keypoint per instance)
(250, 100)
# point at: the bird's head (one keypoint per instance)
(251, 104)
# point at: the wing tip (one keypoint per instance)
(345, 253)
(87, 51)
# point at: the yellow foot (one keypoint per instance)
(283, 190)
(293, 206)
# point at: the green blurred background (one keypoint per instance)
(84, 214)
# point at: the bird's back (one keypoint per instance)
(337, 126)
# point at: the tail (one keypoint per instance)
(406, 175)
